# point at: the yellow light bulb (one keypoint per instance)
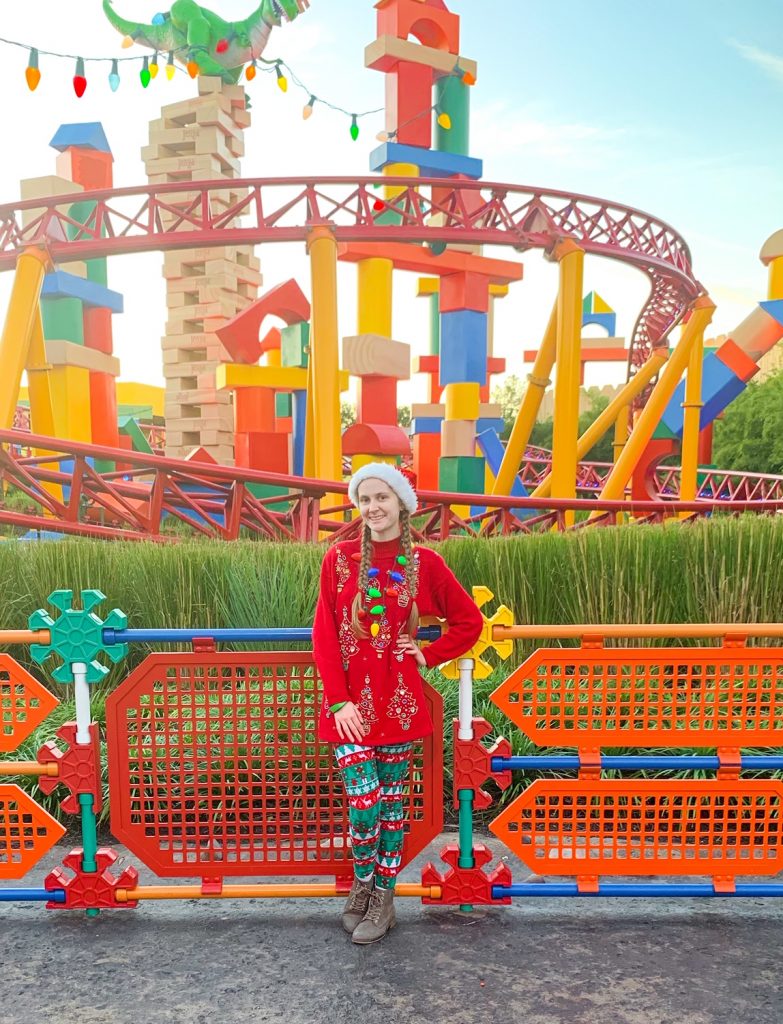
(154, 70)
(170, 69)
(444, 121)
(127, 42)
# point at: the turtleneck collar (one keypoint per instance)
(386, 548)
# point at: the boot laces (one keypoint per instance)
(376, 906)
(358, 898)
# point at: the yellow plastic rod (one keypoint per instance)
(258, 892)
(324, 354)
(690, 424)
(31, 267)
(604, 421)
(566, 398)
(638, 630)
(538, 381)
(29, 768)
(615, 483)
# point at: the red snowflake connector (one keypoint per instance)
(85, 890)
(79, 767)
(466, 885)
(473, 764)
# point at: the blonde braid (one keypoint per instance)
(359, 629)
(410, 570)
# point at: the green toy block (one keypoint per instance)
(461, 474)
(96, 271)
(270, 491)
(131, 429)
(283, 404)
(294, 344)
(63, 319)
(662, 432)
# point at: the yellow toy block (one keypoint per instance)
(458, 437)
(372, 354)
(131, 392)
(429, 286)
(357, 461)
(282, 378)
(462, 401)
(69, 387)
(498, 291)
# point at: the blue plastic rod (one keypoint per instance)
(676, 889)
(291, 634)
(631, 762)
(32, 896)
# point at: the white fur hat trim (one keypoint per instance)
(393, 477)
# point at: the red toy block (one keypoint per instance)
(272, 340)
(375, 439)
(466, 885)
(80, 767)
(97, 329)
(408, 93)
(643, 479)
(432, 23)
(284, 424)
(103, 409)
(464, 291)
(731, 355)
(376, 400)
(263, 450)
(87, 890)
(254, 410)
(426, 453)
(472, 763)
(89, 168)
(240, 334)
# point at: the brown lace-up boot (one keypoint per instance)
(357, 903)
(379, 919)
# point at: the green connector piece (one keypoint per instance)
(76, 636)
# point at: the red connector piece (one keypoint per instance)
(472, 764)
(86, 890)
(79, 767)
(466, 885)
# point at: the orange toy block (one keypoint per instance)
(254, 410)
(432, 26)
(87, 167)
(464, 291)
(426, 452)
(103, 409)
(263, 450)
(98, 330)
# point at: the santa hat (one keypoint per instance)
(401, 482)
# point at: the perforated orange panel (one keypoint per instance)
(27, 832)
(641, 827)
(680, 697)
(215, 769)
(24, 704)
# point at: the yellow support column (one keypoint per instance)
(690, 423)
(569, 342)
(538, 381)
(776, 278)
(308, 468)
(620, 403)
(615, 484)
(324, 356)
(31, 267)
(39, 382)
(620, 433)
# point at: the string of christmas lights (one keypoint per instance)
(150, 67)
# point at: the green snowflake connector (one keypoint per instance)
(77, 635)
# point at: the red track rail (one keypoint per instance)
(177, 216)
(217, 501)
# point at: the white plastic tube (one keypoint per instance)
(82, 694)
(465, 666)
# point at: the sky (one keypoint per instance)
(672, 108)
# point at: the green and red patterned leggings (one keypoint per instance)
(374, 780)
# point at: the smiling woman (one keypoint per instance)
(370, 596)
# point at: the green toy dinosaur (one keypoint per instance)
(192, 33)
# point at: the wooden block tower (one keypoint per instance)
(201, 139)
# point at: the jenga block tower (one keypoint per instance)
(195, 140)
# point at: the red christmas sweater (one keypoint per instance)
(386, 688)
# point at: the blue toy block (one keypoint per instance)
(606, 320)
(490, 424)
(87, 135)
(463, 347)
(432, 163)
(426, 425)
(492, 449)
(62, 285)
(719, 386)
(300, 418)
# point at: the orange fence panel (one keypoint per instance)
(27, 832)
(648, 696)
(215, 769)
(645, 827)
(24, 704)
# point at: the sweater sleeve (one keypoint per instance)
(453, 603)
(326, 640)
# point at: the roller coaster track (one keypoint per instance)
(59, 490)
(263, 210)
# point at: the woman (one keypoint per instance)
(372, 592)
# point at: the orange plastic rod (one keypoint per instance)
(638, 630)
(28, 768)
(25, 636)
(256, 892)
